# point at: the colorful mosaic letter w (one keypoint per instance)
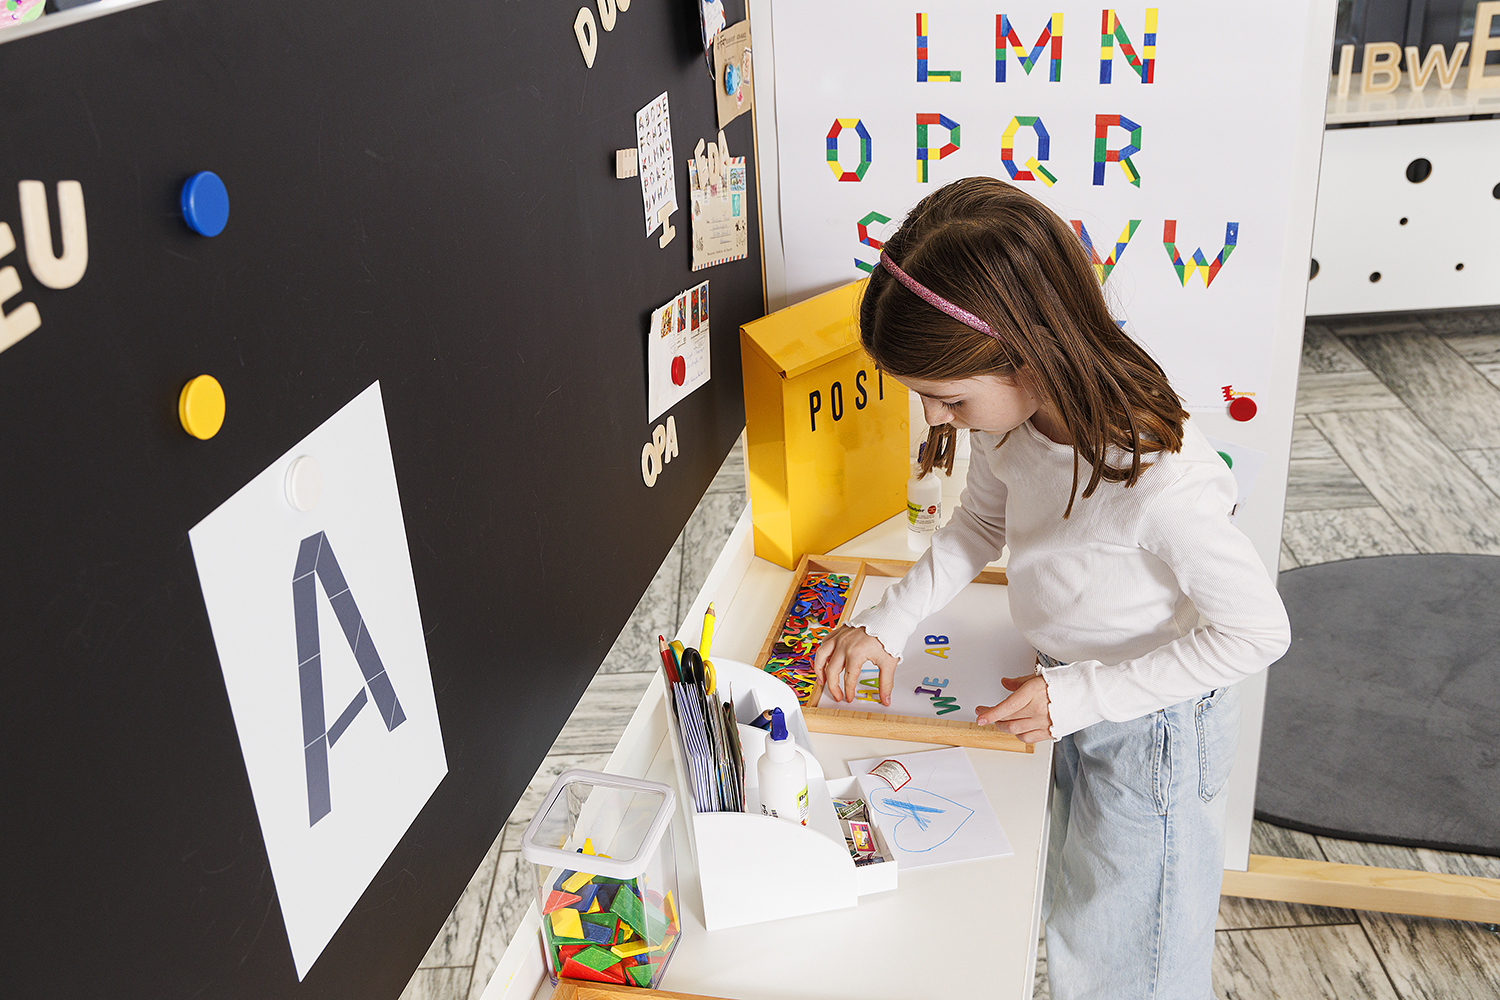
(1103, 267)
(1005, 35)
(1210, 270)
(925, 152)
(316, 557)
(1043, 151)
(858, 173)
(1112, 30)
(925, 75)
(1103, 154)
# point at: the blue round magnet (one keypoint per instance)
(731, 78)
(205, 203)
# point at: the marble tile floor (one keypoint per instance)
(1396, 449)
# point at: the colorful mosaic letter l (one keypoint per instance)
(925, 75)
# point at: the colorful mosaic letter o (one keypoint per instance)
(858, 173)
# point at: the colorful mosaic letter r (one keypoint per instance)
(1103, 154)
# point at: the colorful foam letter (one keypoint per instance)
(1034, 169)
(1103, 154)
(858, 173)
(1103, 267)
(1005, 36)
(926, 152)
(1200, 263)
(1113, 30)
(925, 75)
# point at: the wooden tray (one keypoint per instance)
(845, 722)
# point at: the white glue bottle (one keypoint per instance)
(924, 505)
(783, 775)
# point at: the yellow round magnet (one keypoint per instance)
(200, 407)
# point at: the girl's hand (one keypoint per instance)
(843, 653)
(1025, 713)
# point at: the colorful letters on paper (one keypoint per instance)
(868, 240)
(1005, 35)
(925, 75)
(1103, 267)
(858, 173)
(1113, 30)
(1103, 154)
(1034, 169)
(1210, 270)
(927, 152)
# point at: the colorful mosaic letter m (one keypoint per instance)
(1005, 35)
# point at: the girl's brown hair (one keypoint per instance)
(1002, 255)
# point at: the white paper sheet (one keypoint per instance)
(677, 350)
(940, 817)
(653, 141)
(342, 750)
(954, 660)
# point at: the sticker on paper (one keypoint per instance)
(735, 93)
(319, 636)
(721, 225)
(653, 142)
(677, 350)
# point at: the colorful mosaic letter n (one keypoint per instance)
(1103, 154)
(1112, 30)
(1034, 169)
(925, 75)
(1005, 35)
(858, 173)
(925, 152)
(1103, 267)
(1210, 270)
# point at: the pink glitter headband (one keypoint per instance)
(934, 299)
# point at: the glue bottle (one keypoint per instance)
(783, 775)
(924, 505)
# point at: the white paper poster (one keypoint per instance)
(653, 141)
(940, 817)
(952, 663)
(319, 636)
(677, 350)
(1147, 144)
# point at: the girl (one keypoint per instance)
(1144, 603)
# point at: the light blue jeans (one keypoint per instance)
(1136, 854)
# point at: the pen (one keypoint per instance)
(708, 631)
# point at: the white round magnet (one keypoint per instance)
(304, 483)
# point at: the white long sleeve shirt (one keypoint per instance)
(1148, 594)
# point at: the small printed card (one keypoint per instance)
(653, 140)
(892, 772)
(677, 350)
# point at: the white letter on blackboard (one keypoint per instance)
(588, 35)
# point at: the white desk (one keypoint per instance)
(898, 945)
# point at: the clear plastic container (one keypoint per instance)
(606, 878)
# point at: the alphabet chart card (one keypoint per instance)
(1125, 120)
(653, 141)
(952, 663)
(319, 635)
(677, 355)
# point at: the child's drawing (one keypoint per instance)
(926, 820)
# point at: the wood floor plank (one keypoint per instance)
(1476, 348)
(1299, 963)
(1439, 503)
(1486, 464)
(1308, 442)
(1322, 351)
(1324, 484)
(1429, 959)
(1319, 536)
(1490, 370)
(602, 713)
(1319, 392)
(438, 984)
(1459, 321)
(1460, 405)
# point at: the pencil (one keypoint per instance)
(666, 660)
(708, 631)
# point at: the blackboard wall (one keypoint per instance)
(421, 194)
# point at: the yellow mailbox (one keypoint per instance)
(826, 433)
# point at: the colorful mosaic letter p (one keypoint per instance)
(926, 152)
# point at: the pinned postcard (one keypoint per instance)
(939, 817)
(716, 187)
(711, 19)
(1245, 463)
(653, 141)
(677, 353)
(735, 91)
